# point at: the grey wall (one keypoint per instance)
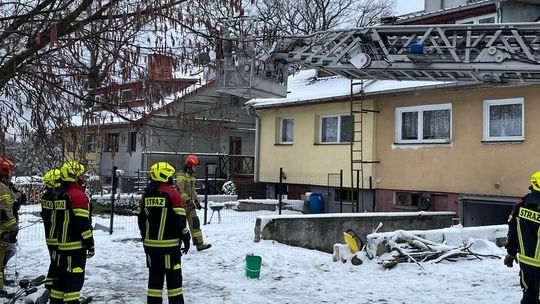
(321, 232)
(433, 5)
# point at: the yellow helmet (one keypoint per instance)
(51, 177)
(71, 170)
(535, 181)
(161, 171)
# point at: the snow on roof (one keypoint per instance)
(128, 115)
(305, 87)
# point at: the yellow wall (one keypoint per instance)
(466, 165)
(306, 161)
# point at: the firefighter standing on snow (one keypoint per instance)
(523, 232)
(51, 179)
(185, 181)
(162, 223)
(74, 233)
(8, 223)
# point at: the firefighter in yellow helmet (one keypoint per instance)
(185, 181)
(73, 231)
(162, 224)
(8, 223)
(523, 232)
(51, 180)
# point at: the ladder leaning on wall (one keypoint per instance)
(357, 112)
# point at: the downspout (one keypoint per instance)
(252, 112)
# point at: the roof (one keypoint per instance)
(423, 14)
(304, 87)
(126, 116)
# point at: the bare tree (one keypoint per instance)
(292, 17)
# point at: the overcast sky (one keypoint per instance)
(408, 6)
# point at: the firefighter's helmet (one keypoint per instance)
(6, 165)
(71, 170)
(535, 181)
(161, 172)
(51, 178)
(192, 160)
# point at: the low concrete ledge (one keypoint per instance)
(322, 231)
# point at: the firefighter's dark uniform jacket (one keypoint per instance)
(73, 226)
(73, 230)
(523, 231)
(162, 219)
(48, 215)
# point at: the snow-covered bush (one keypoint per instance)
(229, 188)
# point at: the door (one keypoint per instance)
(235, 152)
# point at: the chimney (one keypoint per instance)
(160, 67)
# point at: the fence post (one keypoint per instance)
(205, 194)
(280, 187)
(113, 194)
(341, 191)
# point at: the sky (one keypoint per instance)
(408, 6)
(289, 274)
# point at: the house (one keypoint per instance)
(166, 117)
(439, 146)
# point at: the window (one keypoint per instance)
(424, 124)
(126, 95)
(111, 142)
(90, 142)
(287, 130)
(336, 129)
(504, 119)
(489, 18)
(132, 141)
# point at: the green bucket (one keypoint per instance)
(253, 266)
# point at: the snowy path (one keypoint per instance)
(117, 274)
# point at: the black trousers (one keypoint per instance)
(161, 266)
(530, 282)
(53, 266)
(70, 278)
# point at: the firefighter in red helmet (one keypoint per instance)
(185, 181)
(8, 222)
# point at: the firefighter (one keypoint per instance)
(162, 223)
(523, 231)
(185, 181)
(8, 223)
(74, 234)
(51, 179)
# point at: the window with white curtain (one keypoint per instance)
(504, 119)
(287, 130)
(424, 124)
(335, 129)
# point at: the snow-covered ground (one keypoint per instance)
(117, 273)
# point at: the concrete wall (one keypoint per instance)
(321, 232)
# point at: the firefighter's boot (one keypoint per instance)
(203, 246)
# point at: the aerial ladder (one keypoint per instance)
(258, 67)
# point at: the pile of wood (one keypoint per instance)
(405, 247)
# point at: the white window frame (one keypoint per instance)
(281, 130)
(486, 120)
(476, 19)
(338, 129)
(420, 110)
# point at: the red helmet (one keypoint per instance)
(6, 165)
(192, 160)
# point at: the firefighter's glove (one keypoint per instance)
(509, 260)
(185, 240)
(90, 252)
(197, 205)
